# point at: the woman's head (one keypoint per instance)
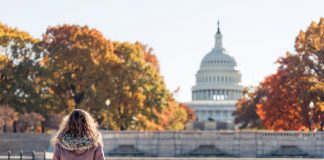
(79, 125)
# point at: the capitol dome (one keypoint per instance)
(217, 89)
(217, 77)
(218, 59)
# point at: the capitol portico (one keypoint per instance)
(217, 86)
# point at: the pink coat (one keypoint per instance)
(94, 153)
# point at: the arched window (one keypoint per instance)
(225, 78)
(214, 78)
(222, 79)
(217, 78)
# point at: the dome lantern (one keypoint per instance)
(218, 39)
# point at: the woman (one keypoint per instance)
(78, 138)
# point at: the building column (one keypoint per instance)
(223, 94)
(193, 95)
(235, 94)
(221, 115)
(230, 95)
(197, 115)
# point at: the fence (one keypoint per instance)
(34, 156)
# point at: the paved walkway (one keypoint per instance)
(173, 158)
(202, 158)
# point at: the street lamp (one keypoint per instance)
(107, 102)
(311, 106)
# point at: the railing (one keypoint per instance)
(22, 156)
(193, 134)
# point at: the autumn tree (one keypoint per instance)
(245, 113)
(173, 117)
(30, 122)
(84, 70)
(19, 70)
(8, 116)
(282, 100)
(77, 67)
(76, 61)
(299, 80)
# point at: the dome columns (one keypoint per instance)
(216, 94)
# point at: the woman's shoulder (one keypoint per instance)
(57, 145)
(98, 147)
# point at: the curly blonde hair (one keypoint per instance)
(79, 124)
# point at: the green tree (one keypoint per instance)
(19, 70)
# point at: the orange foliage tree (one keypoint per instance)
(298, 81)
(282, 100)
(8, 116)
(85, 70)
(245, 113)
(173, 117)
(30, 122)
(77, 67)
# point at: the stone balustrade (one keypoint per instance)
(187, 143)
(207, 143)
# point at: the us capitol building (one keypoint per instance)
(216, 91)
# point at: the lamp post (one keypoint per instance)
(107, 102)
(311, 106)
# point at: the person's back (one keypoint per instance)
(78, 138)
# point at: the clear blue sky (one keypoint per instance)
(181, 32)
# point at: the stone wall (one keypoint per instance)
(26, 142)
(215, 143)
(182, 144)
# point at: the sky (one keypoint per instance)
(181, 32)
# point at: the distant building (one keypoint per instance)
(217, 89)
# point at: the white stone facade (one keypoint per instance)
(217, 85)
